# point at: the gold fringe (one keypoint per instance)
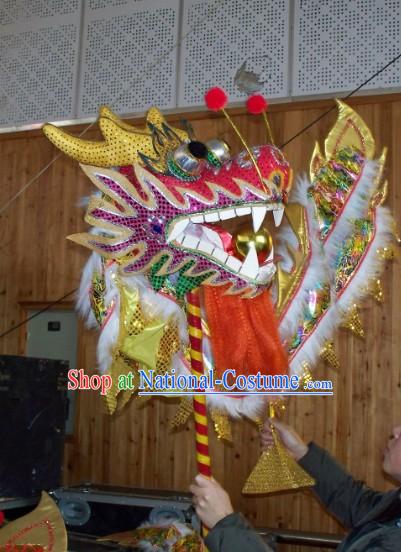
(376, 289)
(387, 253)
(182, 414)
(258, 421)
(329, 355)
(222, 425)
(305, 375)
(353, 322)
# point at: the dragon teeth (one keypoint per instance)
(190, 242)
(241, 211)
(250, 267)
(225, 215)
(268, 269)
(205, 247)
(212, 217)
(178, 229)
(212, 236)
(258, 216)
(278, 216)
(197, 218)
(233, 263)
(220, 255)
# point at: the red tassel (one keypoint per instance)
(216, 99)
(256, 104)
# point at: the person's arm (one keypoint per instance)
(228, 531)
(233, 533)
(349, 500)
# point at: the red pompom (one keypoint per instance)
(216, 99)
(256, 104)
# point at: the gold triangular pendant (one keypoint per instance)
(276, 471)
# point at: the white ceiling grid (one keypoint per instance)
(121, 46)
(338, 44)
(61, 59)
(39, 58)
(255, 31)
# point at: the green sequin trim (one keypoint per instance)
(213, 160)
(180, 284)
(175, 170)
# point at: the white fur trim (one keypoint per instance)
(370, 267)
(83, 303)
(316, 271)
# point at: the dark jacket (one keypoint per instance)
(234, 534)
(373, 517)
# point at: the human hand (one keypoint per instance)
(296, 447)
(211, 501)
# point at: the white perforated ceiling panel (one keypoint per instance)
(338, 44)
(19, 11)
(129, 59)
(101, 4)
(39, 54)
(255, 31)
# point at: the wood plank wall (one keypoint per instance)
(135, 448)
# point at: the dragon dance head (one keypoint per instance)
(173, 213)
(179, 210)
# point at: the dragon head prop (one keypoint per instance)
(173, 213)
(179, 210)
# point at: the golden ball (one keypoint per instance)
(245, 236)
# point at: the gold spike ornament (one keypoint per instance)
(182, 413)
(376, 289)
(329, 355)
(276, 470)
(222, 425)
(353, 322)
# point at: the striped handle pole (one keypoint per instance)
(201, 430)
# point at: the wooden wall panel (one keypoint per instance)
(135, 448)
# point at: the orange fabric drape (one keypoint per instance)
(244, 333)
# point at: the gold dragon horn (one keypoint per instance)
(106, 113)
(349, 130)
(120, 146)
(154, 117)
(316, 162)
(123, 144)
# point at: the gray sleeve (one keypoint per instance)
(234, 534)
(349, 500)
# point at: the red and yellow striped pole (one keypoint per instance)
(200, 413)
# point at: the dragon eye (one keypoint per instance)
(277, 178)
(218, 152)
(187, 161)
